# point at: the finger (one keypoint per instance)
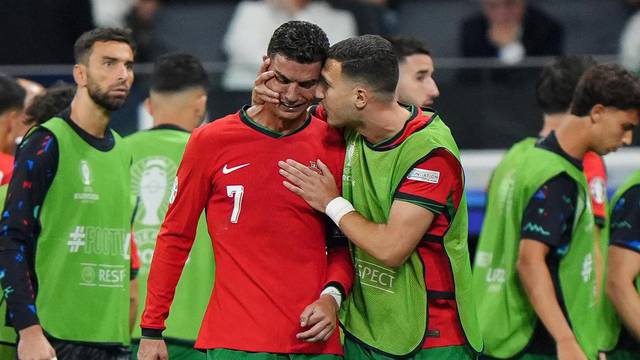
(306, 313)
(286, 166)
(303, 169)
(325, 333)
(315, 330)
(325, 169)
(264, 66)
(291, 177)
(331, 331)
(296, 190)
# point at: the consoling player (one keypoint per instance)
(278, 281)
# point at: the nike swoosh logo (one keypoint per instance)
(226, 170)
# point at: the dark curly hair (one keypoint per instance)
(405, 46)
(368, 58)
(558, 81)
(176, 72)
(301, 41)
(49, 104)
(84, 45)
(11, 94)
(608, 85)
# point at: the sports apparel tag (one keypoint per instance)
(429, 176)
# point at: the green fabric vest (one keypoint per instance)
(507, 319)
(7, 333)
(387, 308)
(612, 323)
(156, 156)
(82, 254)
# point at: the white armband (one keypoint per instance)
(337, 208)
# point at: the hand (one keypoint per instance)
(261, 94)
(151, 349)
(569, 350)
(321, 317)
(33, 345)
(317, 189)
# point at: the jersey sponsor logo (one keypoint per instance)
(483, 258)
(87, 195)
(428, 176)
(598, 190)
(495, 279)
(151, 177)
(313, 166)
(226, 170)
(375, 276)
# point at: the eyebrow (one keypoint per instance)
(278, 73)
(324, 80)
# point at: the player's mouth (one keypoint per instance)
(292, 107)
(121, 91)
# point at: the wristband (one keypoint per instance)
(337, 208)
(335, 293)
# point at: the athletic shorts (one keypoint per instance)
(73, 351)
(355, 351)
(226, 354)
(176, 352)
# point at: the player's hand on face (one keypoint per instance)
(569, 350)
(34, 345)
(151, 349)
(320, 319)
(261, 94)
(316, 188)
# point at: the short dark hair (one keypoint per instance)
(49, 103)
(83, 46)
(301, 41)
(405, 46)
(558, 80)
(176, 72)
(11, 94)
(608, 85)
(368, 58)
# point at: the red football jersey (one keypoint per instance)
(596, 174)
(269, 244)
(6, 168)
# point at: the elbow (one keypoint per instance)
(614, 286)
(392, 259)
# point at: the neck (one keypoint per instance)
(573, 136)
(88, 115)
(186, 124)
(266, 116)
(383, 120)
(552, 122)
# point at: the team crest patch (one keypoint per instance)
(428, 176)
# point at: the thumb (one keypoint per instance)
(324, 168)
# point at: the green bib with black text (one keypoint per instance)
(156, 156)
(387, 307)
(507, 319)
(82, 257)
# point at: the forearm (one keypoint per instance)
(626, 300)
(16, 284)
(375, 239)
(340, 269)
(537, 283)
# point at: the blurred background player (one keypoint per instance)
(75, 243)
(278, 283)
(177, 103)
(12, 97)
(623, 281)
(416, 85)
(536, 252)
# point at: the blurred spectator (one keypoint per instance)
(416, 85)
(50, 103)
(630, 43)
(42, 31)
(372, 16)
(253, 23)
(140, 21)
(511, 30)
(110, 13)
(19, 126)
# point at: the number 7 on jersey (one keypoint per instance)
(235, 191)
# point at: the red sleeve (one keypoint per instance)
(596, 174)
(189, 195)
(432, 182)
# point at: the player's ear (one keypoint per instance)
(80, 74)
(596, 113)
(361, 97)
(201, 106)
